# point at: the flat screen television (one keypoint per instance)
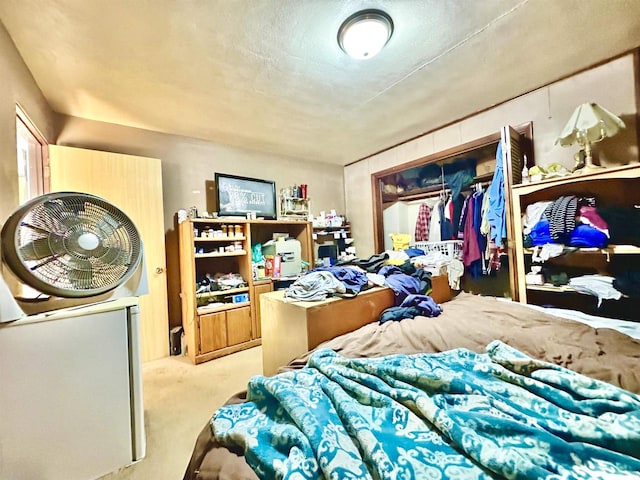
(237, 196)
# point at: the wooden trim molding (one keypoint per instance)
(636, 75)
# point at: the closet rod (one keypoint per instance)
(424, 195)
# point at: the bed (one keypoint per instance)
(567, 359)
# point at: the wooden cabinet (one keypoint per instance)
(213, 331)
(221, 321)
(258, 289)
(239, 326)
(611, 187)
(292, 328)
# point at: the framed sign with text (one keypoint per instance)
(237, 196)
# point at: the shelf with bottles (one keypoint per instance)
(220, 231)
(219, 239)
(218, 253)
(295, 202)
(291, 206)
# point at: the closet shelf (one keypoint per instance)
(235, 253)
(610, 250)
(418, 193)
(219, 239)
(217, 293)
(548, 287)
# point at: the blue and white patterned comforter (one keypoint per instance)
(451, 415)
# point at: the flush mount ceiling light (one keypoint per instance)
(364, 33)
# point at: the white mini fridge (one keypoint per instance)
(71, 393)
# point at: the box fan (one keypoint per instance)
(68, 249)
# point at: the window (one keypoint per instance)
(33, 164)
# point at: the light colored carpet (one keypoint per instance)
(179, 398)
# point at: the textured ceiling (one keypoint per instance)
(268, 75)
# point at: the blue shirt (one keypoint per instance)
(496, 212)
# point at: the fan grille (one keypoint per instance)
(73, 245)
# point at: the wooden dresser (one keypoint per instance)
(290, 329)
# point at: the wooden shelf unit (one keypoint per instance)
(295, 207)
(333, 236)
(616, 186)
(217, 330)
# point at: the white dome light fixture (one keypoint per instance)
(365, 33)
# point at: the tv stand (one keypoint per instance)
(221, 322)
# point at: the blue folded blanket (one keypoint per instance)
(455, 415)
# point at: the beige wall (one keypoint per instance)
(17, 86)
(549, 108)
(188, 165)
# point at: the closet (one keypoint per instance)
(404, 191)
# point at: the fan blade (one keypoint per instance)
(116, 256)
(36, 250)
(63, 206)
(108, 225)
(35, 228)
(81, 279)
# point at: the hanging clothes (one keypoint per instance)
(446, 228)
(459, 174)
(494, 258)
(422, 223)
(463, 217)
(434, 226)
(496, 213)
(470, 250)
(481, 268)
(485, 228)
(458, 203)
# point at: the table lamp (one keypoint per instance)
(590, 123)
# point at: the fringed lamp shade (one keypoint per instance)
(590, 123)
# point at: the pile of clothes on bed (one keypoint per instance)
(411, 285)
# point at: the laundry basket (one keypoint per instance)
(450, 248)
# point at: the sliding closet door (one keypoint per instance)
(513, 163)
(133, 184)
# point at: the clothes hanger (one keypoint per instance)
(443, 192)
